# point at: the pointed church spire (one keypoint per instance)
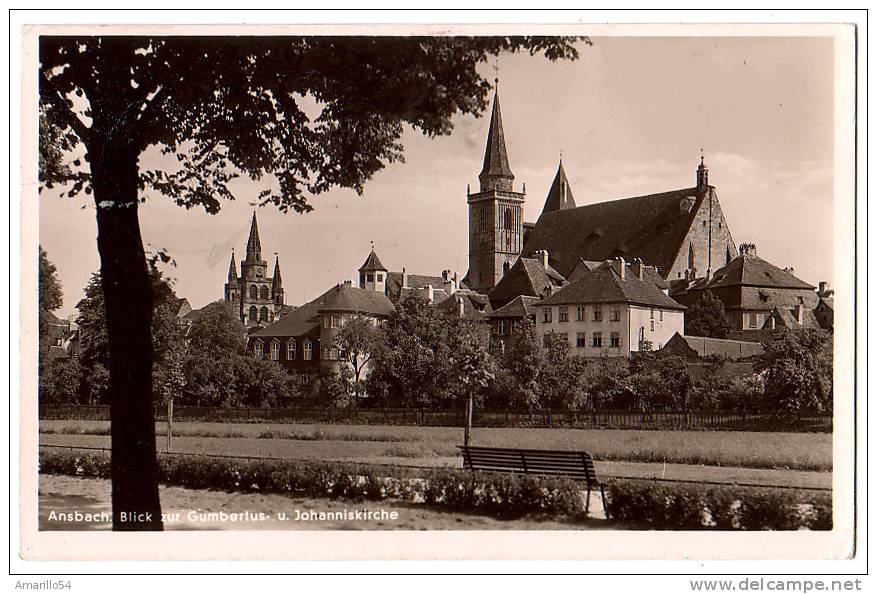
(276, 281)
(496, 173)
(232, 269)
(254, 246)
(560, 195)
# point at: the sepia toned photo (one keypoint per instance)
(357, 285)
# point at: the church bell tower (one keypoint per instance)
(495, 212)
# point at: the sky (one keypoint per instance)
(630, 118)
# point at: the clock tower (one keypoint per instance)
(259, 296)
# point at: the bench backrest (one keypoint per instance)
(570, 464)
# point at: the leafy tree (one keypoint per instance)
(659, 381)
(707, 318)
(520, 367)
(415, 366)
(223, 106)
(798, 366)
(59, 381)
(358, 341)
(560, 383)
(603, 381)
(50, 299)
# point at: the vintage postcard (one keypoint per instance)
(438, 292)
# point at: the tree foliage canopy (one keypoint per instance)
(707, 317)
(314, 112)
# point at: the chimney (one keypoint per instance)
(348, 283)
(790, 270)
(430, 294)
(404, 278)
(547, 291)
(748, 249)
(799, 314)
(542, 256)
(636, 267)
(462, 305)
(619, 265)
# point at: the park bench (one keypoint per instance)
(561, 463)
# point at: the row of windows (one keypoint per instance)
(581, 313)
(260, 315)
(255, 293)
(307, 350)
(582, 339)
(370, 277)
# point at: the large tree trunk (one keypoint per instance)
(128, 294)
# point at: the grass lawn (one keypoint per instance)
(437, 445)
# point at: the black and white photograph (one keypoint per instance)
(558, 282)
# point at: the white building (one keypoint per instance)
(611, 310)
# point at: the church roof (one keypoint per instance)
(372, 262)
(560, 194)
(754, 272)
(496, 160)
(519, 307)
(603, 285)
(650, 227)
(526, 277)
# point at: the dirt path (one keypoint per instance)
(190, 509)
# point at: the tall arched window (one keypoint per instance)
(290, 350)
(253, 314)
(507, 219)
(263, 314)
(254, 292)
(264, 292)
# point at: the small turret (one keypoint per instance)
(232, 270)
(277, 282)
(703, 174)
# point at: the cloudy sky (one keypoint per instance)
(630, 116)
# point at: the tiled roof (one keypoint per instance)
(603, 285)
(754, 272)
(827, 302)
(703, 346)
(650, 227)
(372, 262)
(414, 281)
(348, 298)
(519, 307)
(299, 322)
(560, 195)
(785, 317)
(475, 305)
(526, 277)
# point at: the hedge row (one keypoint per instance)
(635, 504)
(692, 507)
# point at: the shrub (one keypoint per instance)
(680, 506)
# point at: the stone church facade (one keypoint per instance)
(258, 298)
(681, 233)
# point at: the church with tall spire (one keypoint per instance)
(258, 298)
(496, 212)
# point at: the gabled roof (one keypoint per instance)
(520, 307)
(526, 277)
(372, 262)
(603, 285)
(752, 271)
(560, 195)
(650, 227)
(347, 298)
